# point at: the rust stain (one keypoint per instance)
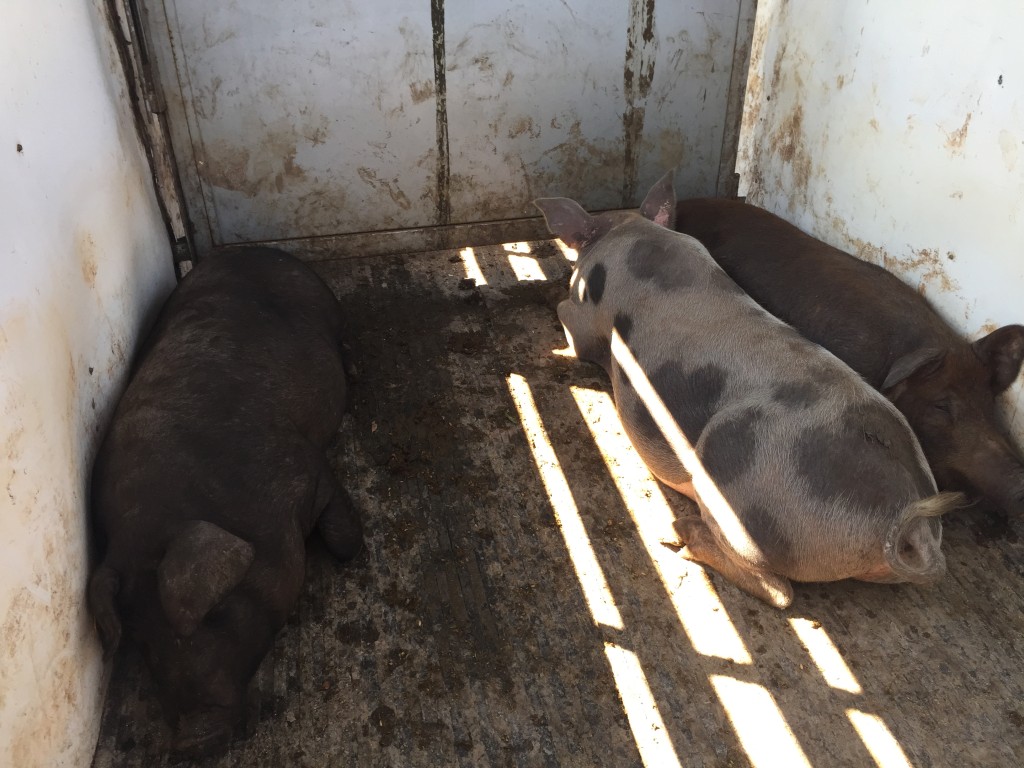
(840, 82)
(777, 65)
(637, 76)
(421, 91)
(955, 140)
(874, 124)
(925, 263)
(788, 144)
(85, 247)
(929, 260)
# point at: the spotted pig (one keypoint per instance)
(801, 471)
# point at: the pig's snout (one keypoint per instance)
(992, 472)
(204, 732)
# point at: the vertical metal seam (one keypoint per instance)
(444, 203)
(638, 73)
(727, 180)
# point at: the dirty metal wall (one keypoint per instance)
(313, 118)
(85, 258)
(894, 131)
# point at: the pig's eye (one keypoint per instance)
(944, 407)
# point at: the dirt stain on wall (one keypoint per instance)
(955, 140)
(787, 142)
(85, 248)
(369, 176)
(421, 91)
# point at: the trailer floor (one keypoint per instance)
(514, 605)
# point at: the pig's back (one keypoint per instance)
(863, 314)
(235, 393)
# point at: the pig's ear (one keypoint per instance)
(924, 361)
(103, 587)
(1002, 352)
(202, 564)
(569, 222)
(660, 204)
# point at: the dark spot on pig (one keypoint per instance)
(20, 149)
(797, 394)
(763, 527)
(691, 397)
(595, 283)
(623, 324)
(731, 446)
(656, 263)
(863, 462)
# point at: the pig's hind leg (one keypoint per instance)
(338, 521)
(708, 547)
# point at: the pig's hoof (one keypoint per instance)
(688, 529)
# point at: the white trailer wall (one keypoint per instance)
(894, 131)
(85, 258)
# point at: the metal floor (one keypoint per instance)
(514, 605)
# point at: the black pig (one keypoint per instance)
(212, 475)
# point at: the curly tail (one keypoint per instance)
(913, 545)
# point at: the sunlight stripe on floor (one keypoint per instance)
(469, 261)
(825, 655)
(526, 268)
(581, 552)
(701, 612)
(762, 730)
(652, 740)
(570, 254)
(884, 749)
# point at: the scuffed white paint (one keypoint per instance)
(313, 118)
(894, 131)
(85, 259)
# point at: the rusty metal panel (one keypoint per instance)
(591, 99)
(318, 118)
(307, 118)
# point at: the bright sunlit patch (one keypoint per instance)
(825, 655)
(704, 486)
(584, 561)
(472, 267)
(517, 247)
(645, 721)
(526, 267)
(760, 726)
(702, 614)
(884, 749)
(569, 253)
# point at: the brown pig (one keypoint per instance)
(887, 332)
